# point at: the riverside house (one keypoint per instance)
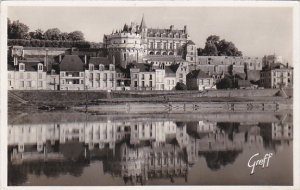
(199, 80)
(277, 77)
(100, 74)
(71, 73)
(27, 75)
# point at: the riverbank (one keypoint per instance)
(157, 101)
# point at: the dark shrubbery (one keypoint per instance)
(48, 43)
(225, 83)
(180, 86)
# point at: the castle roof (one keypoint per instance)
(190, 42)
(143, 23)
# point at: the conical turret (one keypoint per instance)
(143, 23)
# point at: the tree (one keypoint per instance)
(52, 34)
(225, 83)
(64, 36)
(180, 86)
(210, 49)
(76, 36)
(216, 47)
(17, 30)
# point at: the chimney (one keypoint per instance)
(15, 60)
(46, 59)
(185, 29)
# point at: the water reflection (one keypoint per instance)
(137, 151)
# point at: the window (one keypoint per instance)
(22, 83)
(81, 81)
(105, 76)
(150, 83)
(158, 45)
(98, 76)
(143, 83)
(124, 56)
(135, 76)
(150, 77)
(22, 67)
(81, 74)
(151, 45)
(62, 74)
(171, 45)
(40, 76)
(143, 76)
(28, 83)
(40, 83)
(180, 75)
(9, 82)
(91, 67)
(40, 67)
(192, 58)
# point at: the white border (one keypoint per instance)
(3, 78)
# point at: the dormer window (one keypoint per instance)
(40, 67)
(22, 67)
(52, 72)
(111, 67)
(101, 67)
(91, 67)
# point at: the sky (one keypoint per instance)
(256, 31)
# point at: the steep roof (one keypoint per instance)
(71, 63)
(143, 23)
(171, 70)
(190, 42)
(143, 67)
(197, 74)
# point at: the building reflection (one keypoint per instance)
(136, 151)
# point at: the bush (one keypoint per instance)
(48, 43)
(225, 83)
(180, 86)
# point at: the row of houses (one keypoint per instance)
(98, 73)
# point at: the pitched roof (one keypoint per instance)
(171, 70)
(197, 74)
(190, 42)
(143, 67)
(71, 63)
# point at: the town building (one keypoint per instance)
(100, 74)
(27, 75)
(277, 77)
(199, 80)
(142, 77)
(72, 73)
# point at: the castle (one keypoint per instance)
(138, 44)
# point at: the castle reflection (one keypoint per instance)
(136, 150)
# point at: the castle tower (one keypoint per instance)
(124, 46)
(143, 31)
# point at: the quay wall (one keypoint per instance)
(82, 96)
